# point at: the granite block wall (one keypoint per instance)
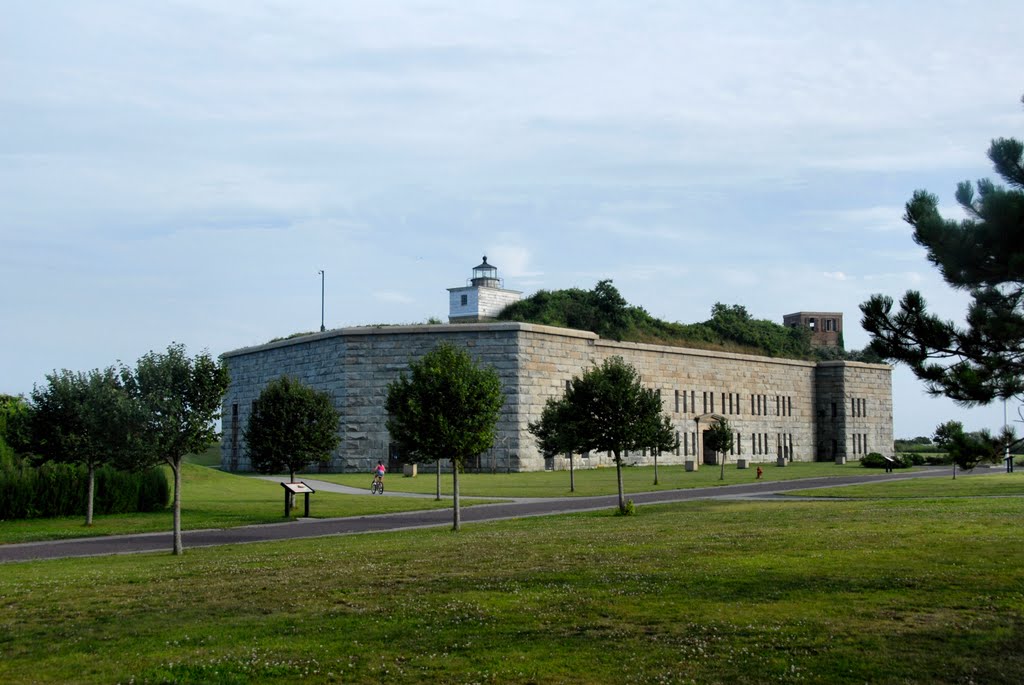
(779, 408)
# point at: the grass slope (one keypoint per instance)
(898, 591)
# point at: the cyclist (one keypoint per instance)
(378, 473)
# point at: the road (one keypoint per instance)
(309, 528)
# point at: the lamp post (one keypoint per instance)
(322, 329)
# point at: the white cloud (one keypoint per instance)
(390, 296)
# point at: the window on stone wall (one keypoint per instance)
(677, 443)
(835, 410)
(677, 405)
(712, 402)
(463, 300)
(705, 401)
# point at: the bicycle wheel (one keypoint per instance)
(380, 488)
(373, 487)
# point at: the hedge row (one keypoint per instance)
(61, 490)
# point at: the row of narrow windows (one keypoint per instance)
(858, 408)
(860, 443)
(730, 403)
(760, 443)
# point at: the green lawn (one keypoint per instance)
(590, 482)
(213, 499)
(208, 457)
(881, 591)
(987, 485)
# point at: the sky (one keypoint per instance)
(182, 171)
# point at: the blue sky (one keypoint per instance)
(181, 171)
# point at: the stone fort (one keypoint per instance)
(782, 410)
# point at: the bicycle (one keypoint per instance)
(377, 487)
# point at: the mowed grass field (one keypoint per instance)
(592, 482)
(928, 589)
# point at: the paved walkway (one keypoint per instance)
(308, 528)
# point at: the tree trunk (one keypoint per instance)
(91, 495)
(176, 467)
(572, 474)
(456, 514)
(721, 475)
(618, 476)
(291, 495)
(438, 497)
(655, 467)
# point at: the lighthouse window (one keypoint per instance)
(464, 300)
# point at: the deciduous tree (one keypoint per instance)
(15, 438)
(84, 418)
(180, 398)
(607, 409)
(291, 426)
(447, 407)
(719, 438)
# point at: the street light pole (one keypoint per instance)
(322, 329)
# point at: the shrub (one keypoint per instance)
(53, 490)
(912, 458)
(630, 509)
(875, 460)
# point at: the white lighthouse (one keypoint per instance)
(482, 299)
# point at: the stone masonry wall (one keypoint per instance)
(778, 407)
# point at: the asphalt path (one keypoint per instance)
(310, 528)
